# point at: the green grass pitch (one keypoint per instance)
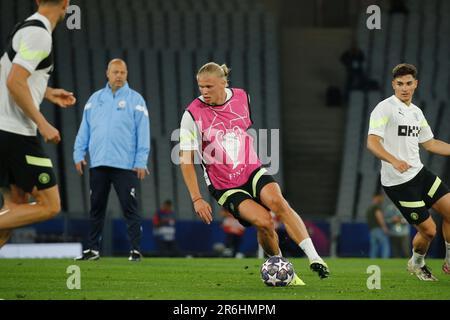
(211, 279)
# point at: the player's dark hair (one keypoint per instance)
(403, 70)
(44, 2)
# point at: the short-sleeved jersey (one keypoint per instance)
(402, 128)
(31, 45)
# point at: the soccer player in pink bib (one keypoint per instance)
(215, 126)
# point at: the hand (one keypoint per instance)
(79, 166)
(60, 97)
(203, 209)
(141, 173)
(401, 166)
(49, 133)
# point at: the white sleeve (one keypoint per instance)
(189, 135)
(32, 44)
(379, 118)
(426, 133)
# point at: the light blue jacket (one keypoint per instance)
(115, 130)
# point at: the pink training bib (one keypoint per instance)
(227, 149)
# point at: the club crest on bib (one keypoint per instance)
(231, 144)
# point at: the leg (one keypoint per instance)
(272, 198)
(443, 207)
(382, 244)
(421, 242)
(125, 183)
(12, 196)
(18, 214)
(405, 246)
(27, 167)
(426, 231)
(258, 216)
(385, 246)
(237, 244)
(227, 252)
(395, 246)
(100, 185)
(373, 250)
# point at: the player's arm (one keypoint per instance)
(60, 97)
(375, 146)
(143, 139)
(82, 139)
(202, 208)
(437, 146)
(17, 84)
(189, 144)
(380, 219)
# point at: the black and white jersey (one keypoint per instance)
(402, 128)
(30, 47)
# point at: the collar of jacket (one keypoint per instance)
(119, 92)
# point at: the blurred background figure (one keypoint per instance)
(115, 134)
(353, 61)
(398, 231)
(379, 240)
(233, 234)
(164, 230)
(398, 6)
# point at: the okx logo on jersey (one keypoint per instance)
(408, 131)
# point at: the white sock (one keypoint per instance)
(308, 247)
(418, 259)
(447, 254)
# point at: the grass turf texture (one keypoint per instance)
(218, 279)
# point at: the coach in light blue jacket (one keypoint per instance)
(115, 131)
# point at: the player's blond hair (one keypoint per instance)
(213, 68)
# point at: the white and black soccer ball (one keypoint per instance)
(277, 272)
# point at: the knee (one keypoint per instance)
(278, 204)
(52, 209)
(265, 224)
(446, 217)
(429, 233)
(49, 202)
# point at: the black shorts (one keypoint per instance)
(415, 197)
(23, 163)
(230, 199)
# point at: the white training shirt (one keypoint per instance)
(32, 44)
(402, 128)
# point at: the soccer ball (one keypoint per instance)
(277, 272)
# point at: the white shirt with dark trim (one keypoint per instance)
(32, 44)
(190, 136)
(402, 128)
